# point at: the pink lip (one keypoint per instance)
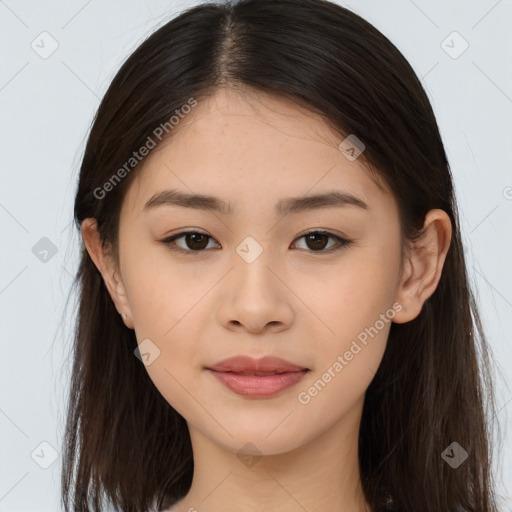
(258, 386)
(232, 373)
(249, 364)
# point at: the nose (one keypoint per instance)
(255, 295)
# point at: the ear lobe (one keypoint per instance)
(424, 265)
(107, 268)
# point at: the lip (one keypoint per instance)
(262, 365)
(250, 377)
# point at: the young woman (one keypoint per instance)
(274, 306)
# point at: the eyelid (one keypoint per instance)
(341, 241)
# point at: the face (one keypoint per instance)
(313, 285)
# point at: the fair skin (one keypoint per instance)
(292, 301)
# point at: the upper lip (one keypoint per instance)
(249, 364)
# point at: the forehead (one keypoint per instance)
(231, 143)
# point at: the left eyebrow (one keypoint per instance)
(283, 206)
(328, 199)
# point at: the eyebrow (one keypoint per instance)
(283, 207)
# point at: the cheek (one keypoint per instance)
(165, 311)
(161, 292)
(355, 303)
(359, 314)
(169, 305)
(351, 296)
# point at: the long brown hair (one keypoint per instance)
(124, 444)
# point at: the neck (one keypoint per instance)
(321, 474)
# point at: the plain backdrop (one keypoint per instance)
(58, 58)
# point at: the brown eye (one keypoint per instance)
(196, 241)
(317, 241)
(193, 241)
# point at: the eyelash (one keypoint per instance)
(342, 243)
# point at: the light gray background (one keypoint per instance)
(47, 105)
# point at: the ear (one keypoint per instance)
(105, 264)
(423, 265)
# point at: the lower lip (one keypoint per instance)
(258, 386)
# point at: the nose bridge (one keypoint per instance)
(256, 298)
(252, 260)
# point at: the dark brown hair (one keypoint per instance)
(124, 444)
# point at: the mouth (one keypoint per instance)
(257, 378)
(259, 384)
